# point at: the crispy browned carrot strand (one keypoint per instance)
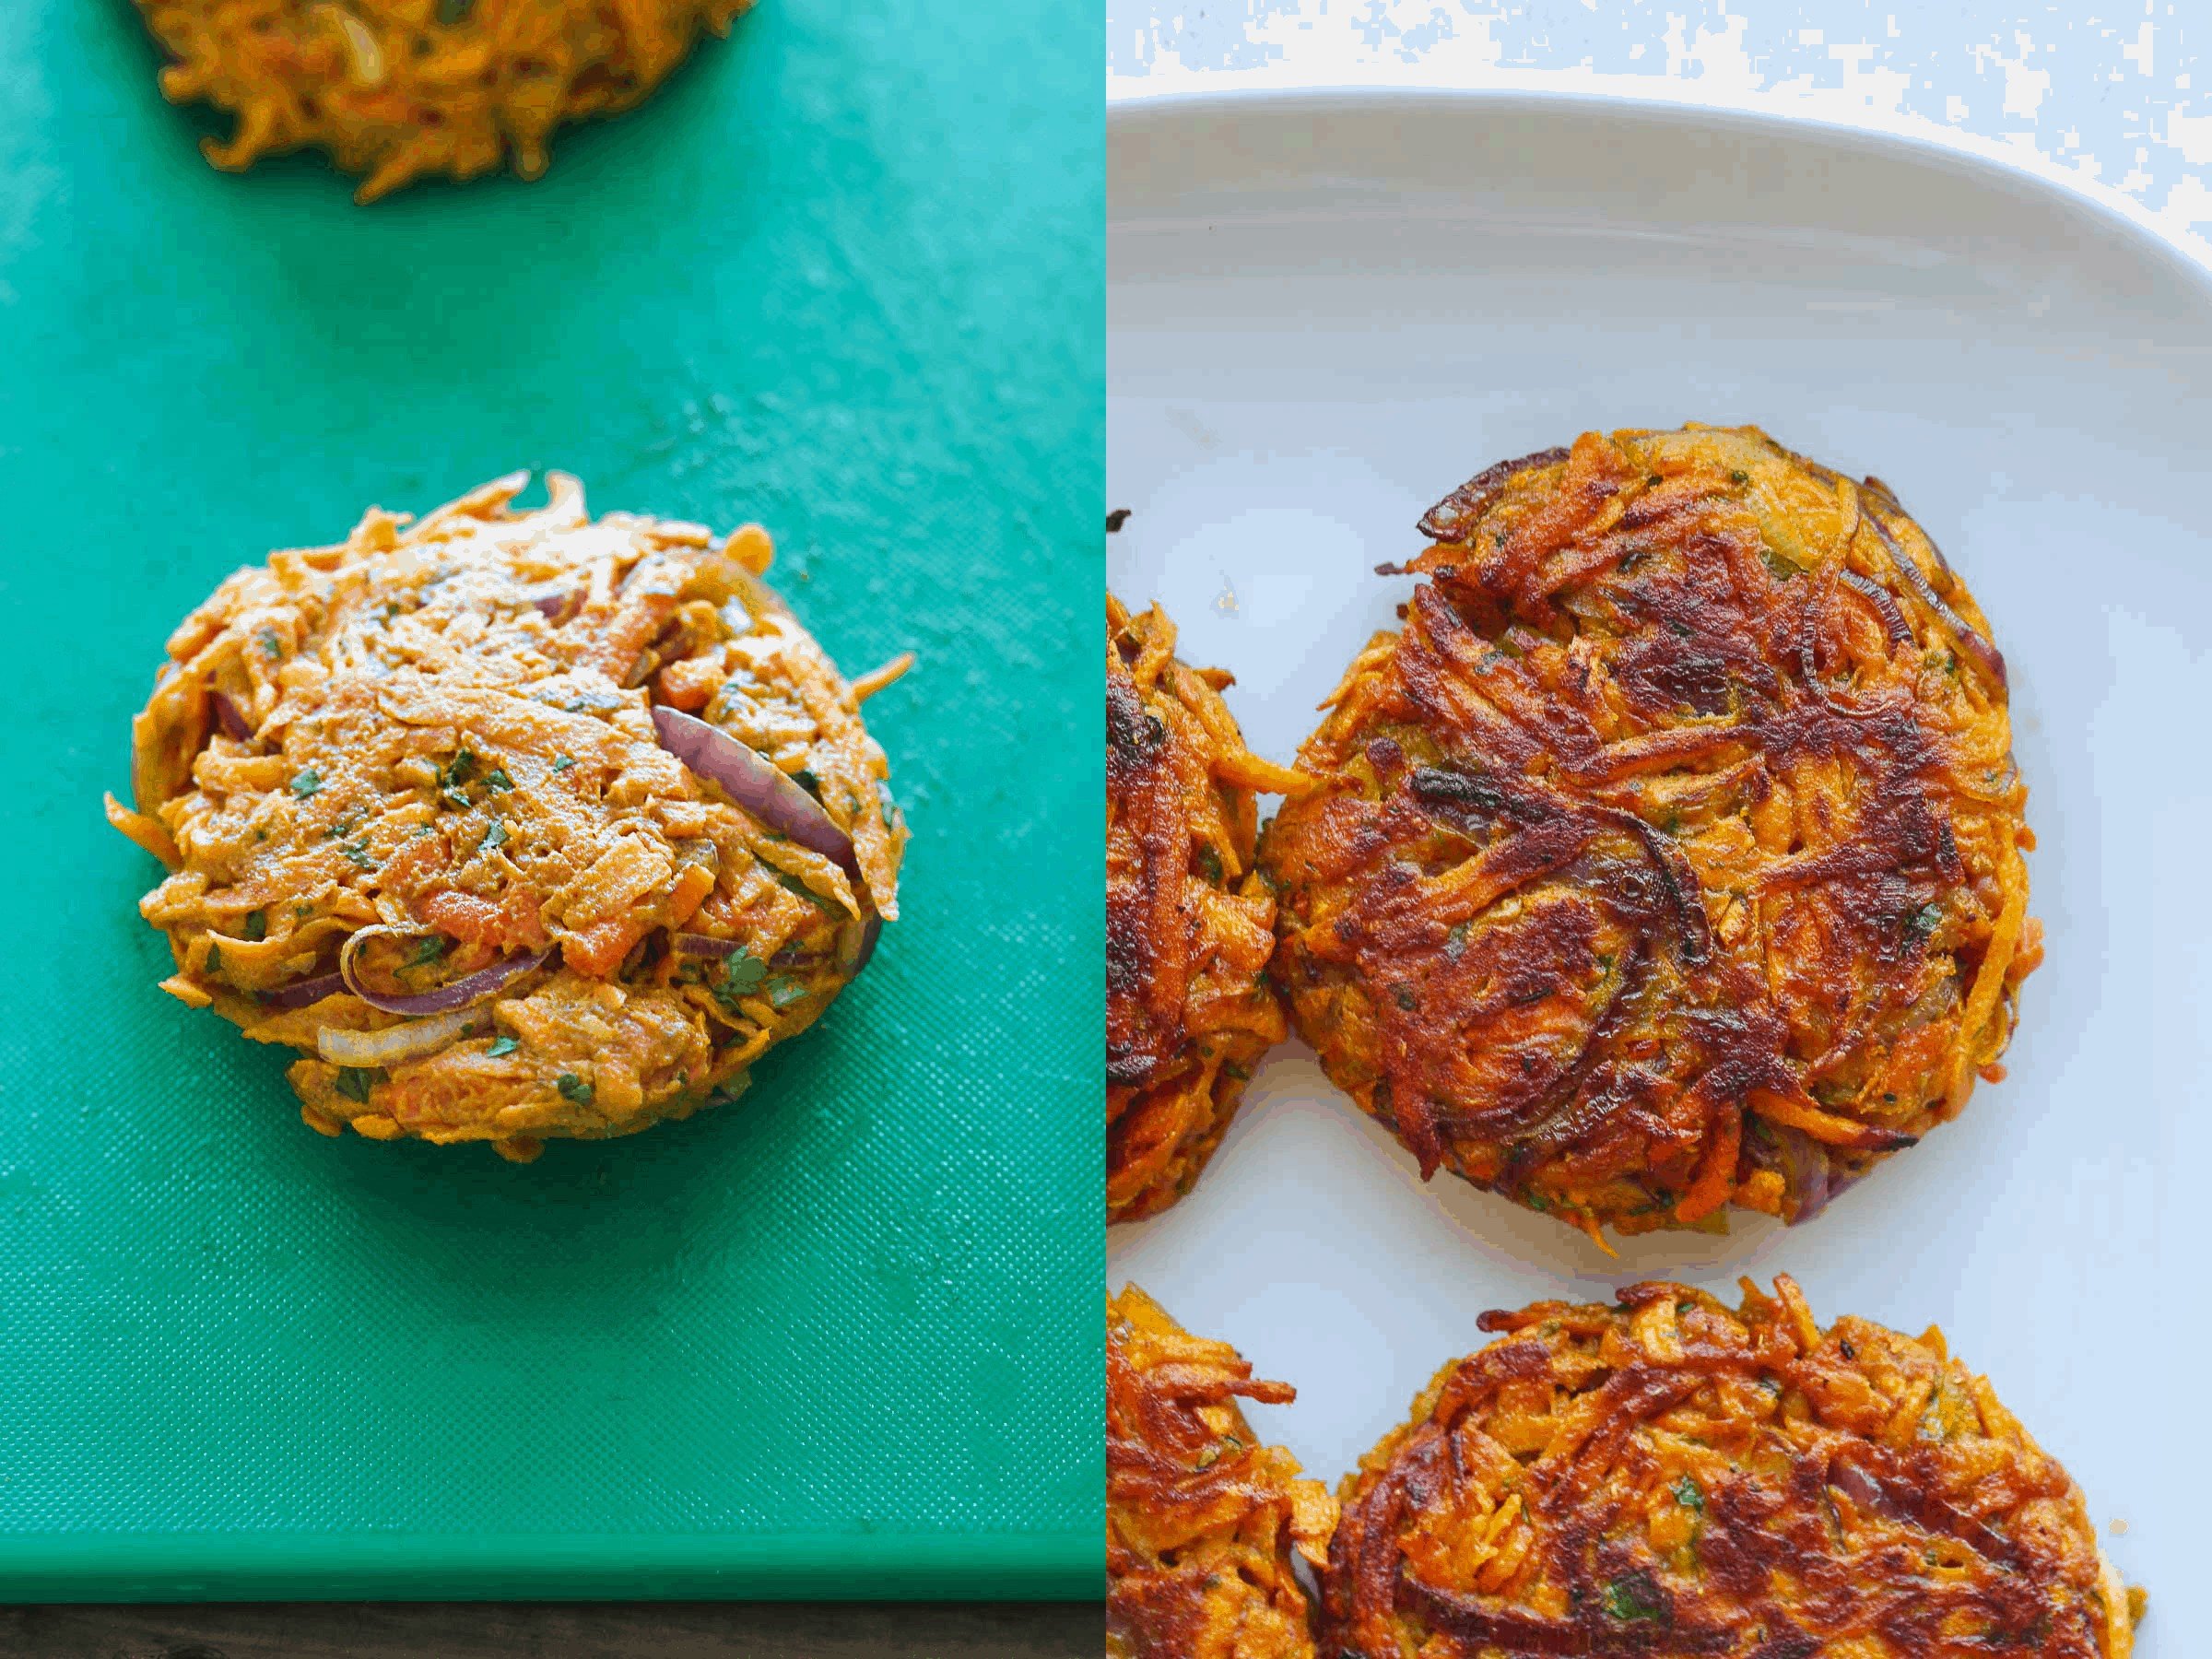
(401, 89)
(1671, 856)
(1201, 1519)
(1188, 923)
(1668, 1476)
(436, 741)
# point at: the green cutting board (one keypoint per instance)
(843, 275)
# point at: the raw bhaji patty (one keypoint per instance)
(397, 89)
(1189, 927)
(1201, 1519)
(1671, 855)
(514, 823)
(1668, 1476)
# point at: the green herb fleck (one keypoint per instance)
(307, 782)
(459, 770)
(1405, 998)
(501, 1045)
(1209, 865)
(1636, 1598)
(355, 1082)
(562, 762)
(429, 948)
(573, 1087)
(806, 781)
(741, 975)
(494, 837)
(1923, 921)
(213, 964)
(792, 883)
(497, 777)
(1242, 1074)
(1779, 568)
(358, 856)
(783, 992)
(1455, 941)
(257, 925)
(1739, 478)
(1689, 1494)
(1537, 1201)
(271, 646)
(1654, 480)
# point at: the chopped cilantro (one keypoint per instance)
(1779, 568)
(1209, 865)
(271, 646)
(213, 964)
(562, 762)
(1689, 1494)
(305, 784)
(1923, 921)
(792, 883)
(1739, 478)
(358, 856)
(783, 992)
(1455, 941)
(1636, 1597)
(1537, 1201)
(503, 1046)
(497, 777)
(573, 1087)
(429, 948)
(1654, 480)
(355, 1082)
(741, 975)
(494, 837)
(1242, 1074)
(460, 768)
(256, 924)
(806, 781)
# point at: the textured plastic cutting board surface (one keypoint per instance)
(842, 277)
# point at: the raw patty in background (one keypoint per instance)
(401, 89)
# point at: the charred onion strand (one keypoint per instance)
(469, 988)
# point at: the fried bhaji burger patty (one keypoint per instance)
(1189, 928)
(1668, 1476)
(515, 824)
(1201, 1519)
(400, 89)
(1670, 857)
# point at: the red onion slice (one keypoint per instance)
(706, 944)
(305, 991)
(467, 989)
(754, 785)
(226, 715)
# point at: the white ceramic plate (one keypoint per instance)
(1324, 312)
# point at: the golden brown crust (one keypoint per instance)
(1201, 1519)
(431, 751)
(400, 89)
(1671, 856)
(1668, 1476)
(1189, 928)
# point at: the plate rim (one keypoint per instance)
(1985, 163)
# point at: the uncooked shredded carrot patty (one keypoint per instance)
(514, 823)
(1670, 857)
(1670, 1476)
(395, 90)
(1202, 1520)
(1189, 926)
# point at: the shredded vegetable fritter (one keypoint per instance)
(1189, 927)
(1671, 856)
(1201, 1519)
(401, 89)
(1668, 1476)
(421, 824)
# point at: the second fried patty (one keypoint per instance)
(1670, 857)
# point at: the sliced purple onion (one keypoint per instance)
(706, 944)
(305, 991)
(467, 989)
(550, 605)
(754, 785)
(226, 715)
(866, 948)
